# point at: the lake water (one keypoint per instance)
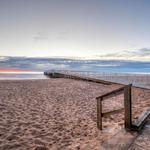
(23, 76)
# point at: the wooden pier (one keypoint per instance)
(126, 90)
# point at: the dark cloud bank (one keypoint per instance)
(99, 65)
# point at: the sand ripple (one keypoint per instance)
(53, 114)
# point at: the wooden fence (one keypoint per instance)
(126, 90)
(127, 106)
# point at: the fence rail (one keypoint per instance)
(127, 105)
(111, 94)
(126, 90)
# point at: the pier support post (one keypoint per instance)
(128, 106)
(99, 114)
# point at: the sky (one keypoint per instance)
(44, 28)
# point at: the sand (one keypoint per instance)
(59, 114)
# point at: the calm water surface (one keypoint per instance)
(19, 76)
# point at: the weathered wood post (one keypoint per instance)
(127, 106)
(99, 113)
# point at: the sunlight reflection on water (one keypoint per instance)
(23, 75)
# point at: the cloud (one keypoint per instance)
(40, 36)
(63, 32)
(61, 35)
(107, 65)
(51, 66)
(3, 58)
(142, 54)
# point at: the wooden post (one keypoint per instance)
(127, 105)
(99, 114)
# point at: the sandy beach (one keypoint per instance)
(59, 114)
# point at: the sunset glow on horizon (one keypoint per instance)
(17, 71)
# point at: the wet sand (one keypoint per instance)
(59, 114)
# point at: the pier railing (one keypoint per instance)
(126, 90)
(70, 76)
